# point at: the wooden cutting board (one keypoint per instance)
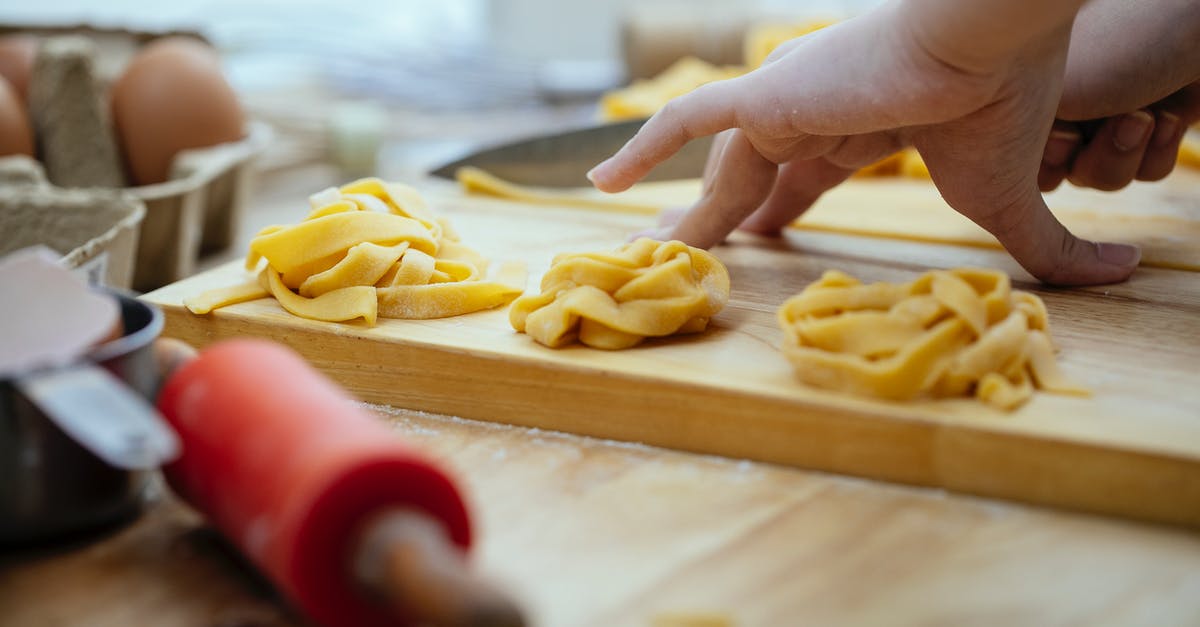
(1132, 450)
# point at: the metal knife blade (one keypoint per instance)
(563, 159)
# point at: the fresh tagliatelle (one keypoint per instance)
(949, 333)
(615, 300)
(368, 249)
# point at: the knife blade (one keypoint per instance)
(563, 159)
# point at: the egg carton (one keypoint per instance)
(95, 230)
(198, 208)
(196, 211)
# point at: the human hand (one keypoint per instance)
(845, 96)
(1105, 154)
(1111, 152)
(1132, 86)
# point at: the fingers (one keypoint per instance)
(741, 182)
(663, 226)
(1051, 253)
(1059, 154)
(797, 186)
(705, 111)
(992, 180)
(714, 157)
(1163, 149)
(1107, 162)
(1112, 158)
(1038, 241)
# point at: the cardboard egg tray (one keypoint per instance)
(198, 209)
(95, 230)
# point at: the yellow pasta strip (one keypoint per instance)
(327, 235)
(326, 197)
(900, 376)
(339, 305)
(646, 96)
(998, 391)
(367, 202)
(340, 206)
(991, 352)
(912, 165)
(887, 166)
(364, 264)
(1166, 241)
(415, 269)
(1189, 150)
(296, 277)
(958, 296)
(947, 333)
(215, 299)
(252, 258)
(440, 300)
(398, 199)
(863, 333)
(616, 300)
(369, 249)
(476, 181)
(1045, 369)
(453, 270)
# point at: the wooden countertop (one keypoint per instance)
(603, 534)
(595, 533)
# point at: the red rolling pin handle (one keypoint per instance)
(305, 483)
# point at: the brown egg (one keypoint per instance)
(16, 135)
(16, 61)
(172, 97)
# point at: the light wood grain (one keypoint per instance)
(1132, 450)
(589, 533)
(1163, 218)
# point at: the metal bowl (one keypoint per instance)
(49, 484)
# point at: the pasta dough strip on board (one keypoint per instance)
(614, 300)
(366, 250)
(1166, 241)
(948, 333)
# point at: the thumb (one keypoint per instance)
(1050, 252)
(995, 185)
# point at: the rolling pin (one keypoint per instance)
(351, 525)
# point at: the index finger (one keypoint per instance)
(708, 110)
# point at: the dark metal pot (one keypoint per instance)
(50, 484)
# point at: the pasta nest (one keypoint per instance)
(615, 300)
(946, 334)
(365, 250)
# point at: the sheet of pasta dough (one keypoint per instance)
(1163, 218)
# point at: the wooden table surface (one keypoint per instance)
(596, 533)
(602, 534)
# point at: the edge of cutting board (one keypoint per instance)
(828, 433)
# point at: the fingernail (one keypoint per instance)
(1165, 129)
(1132, 130)
(591, 174)
(1060, 147)
(1122, 255)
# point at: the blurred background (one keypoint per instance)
(305, 94)
(432, 77)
